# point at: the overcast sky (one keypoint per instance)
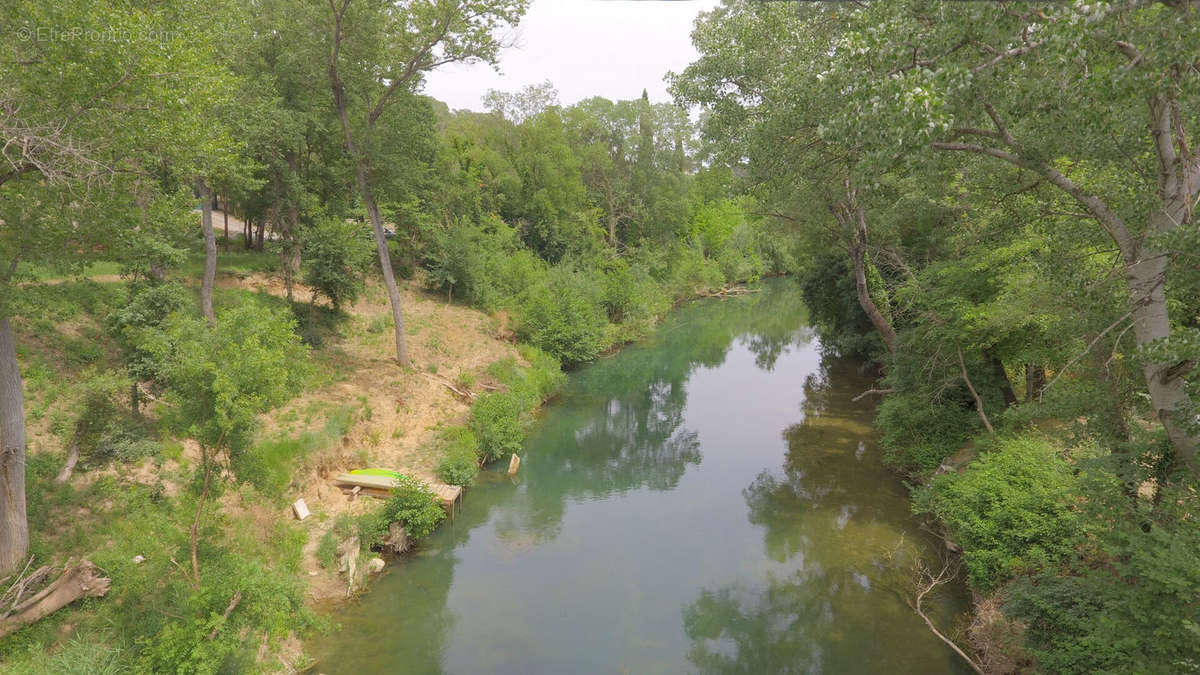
(610, 48)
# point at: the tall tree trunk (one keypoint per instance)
(858, 256)
(248, 233)
(1010, 397)
(1145, 265)
(210, 252)
(260, 234)
(14, 526)
(1146, 276)
(368, 197)
(1035, 381)
(291, 234)
(225, 215)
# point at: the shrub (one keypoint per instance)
(460, 463)
(337, 253)
(137, 324)
(1129, 605)
(564, 317)
(917, 433)
(413, 505)
(1011, 510)
(497, 424)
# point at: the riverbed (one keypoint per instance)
(708, 501)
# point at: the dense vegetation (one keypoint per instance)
(971, 195)
(576, 227)
(996, 204)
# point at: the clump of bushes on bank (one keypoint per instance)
(1012, 510)
(592, 299)
(460, 462)
(499, 419)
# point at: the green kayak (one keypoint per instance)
(388, 473)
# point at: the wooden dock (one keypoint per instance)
(381, 487)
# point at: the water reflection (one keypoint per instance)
(831, 520)
(632, 501)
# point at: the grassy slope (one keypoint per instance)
(359, 410)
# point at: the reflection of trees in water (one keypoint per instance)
(621, 427)
(836, 521)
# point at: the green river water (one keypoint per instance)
(709, 501)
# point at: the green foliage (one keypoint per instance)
(829, 293)
(564, 317)
(104, 430)
(221, 378)
(270, 465)
(1129, 605)
(137, 324)
(917, 434)
(1012, 510)
(497, 420)
(337, 253)
(460, 462)
(412, 504)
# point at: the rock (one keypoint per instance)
(139, 559)
(375, 565)
(301, 509)
(514, 464)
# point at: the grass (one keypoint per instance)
(269, 465)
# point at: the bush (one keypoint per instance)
(460, 463)
(917, 434)
(1129, 605)
(564, 317)
(497, 424)
(1011, 510)
(411, 504)
(137, 324)
(337, 253)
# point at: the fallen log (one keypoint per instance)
(81, 581)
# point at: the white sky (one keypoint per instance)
(610, 48)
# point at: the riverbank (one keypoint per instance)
(709, 495)
(358, 409)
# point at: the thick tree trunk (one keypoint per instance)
(368, 197)
(291, 236)
(1035, 381)
(210, 253)
(260, 235)
(1010, 397)
(858, 256)
(248, 234)
(14, 526)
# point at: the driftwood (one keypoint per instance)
(727, 292)
(465, 394)
(925, 582)
(872, 392)
(233, 603)
(68, 468)
(80, 581)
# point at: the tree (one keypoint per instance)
(519, 106)
(337, 254)
(379, 52)
(220, 378)
(1124, 87)
(87, 127)
(766, 101)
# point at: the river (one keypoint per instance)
(709, 501)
